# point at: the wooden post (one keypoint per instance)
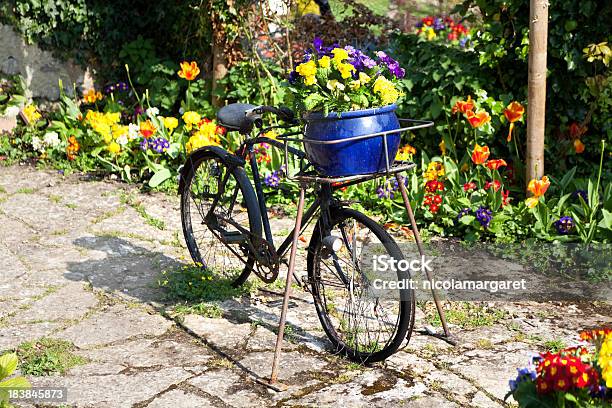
(219, 70)
(536, 108)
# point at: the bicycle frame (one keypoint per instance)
(322, 201)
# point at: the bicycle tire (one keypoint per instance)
(405, 321)
(250, 202)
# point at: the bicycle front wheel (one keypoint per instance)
(362, 325)
(220, 216)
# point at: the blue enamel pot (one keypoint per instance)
(363, 156)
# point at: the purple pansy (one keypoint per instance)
(484, 216)
(391, 64)
(564, 225)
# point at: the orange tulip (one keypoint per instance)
(147, 129)
(538, 187)
(496, 164)
(189, 71)
(513, 113)
(480, 154)
(578, 146)
(477, 119)
(463, 106)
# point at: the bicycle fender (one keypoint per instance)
(207, 151)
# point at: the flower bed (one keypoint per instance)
(470, 188)
(578, 376)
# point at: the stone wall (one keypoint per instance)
(40, 69)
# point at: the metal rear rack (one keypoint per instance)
(314, 177)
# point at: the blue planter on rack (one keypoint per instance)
(363, 156)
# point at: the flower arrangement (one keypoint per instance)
(343, 79)
(573, 377)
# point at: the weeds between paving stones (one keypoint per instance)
(467, 315)
(47, 356)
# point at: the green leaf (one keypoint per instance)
(8, 364)
(312, 101)
(15, 382)
(606, 221)
(159, 177)
(467, 219)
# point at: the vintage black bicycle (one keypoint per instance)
(227, 230)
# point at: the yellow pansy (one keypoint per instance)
(170, 123)
(386, 90)
(31, 114)
(364, 78)
(354, 85)
(310, 80)
(346, 70)
(307, 69)
(335, 85)
(340, 54)
(325, 62)
(191, 118)
(114, 148)
(119, 130)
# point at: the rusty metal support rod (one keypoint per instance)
(283, 318)
(419, 242)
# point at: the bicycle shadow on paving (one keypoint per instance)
(125, 269)
(131, 272)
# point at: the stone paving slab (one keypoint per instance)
(80, 263)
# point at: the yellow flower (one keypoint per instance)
(170, 123)
(386, 90)
(355, 85)
(324, 62)
(31, 114)
(605, 360)
(91, 96)
(271, 135)
(307, 69)
(431, 34)
(119, 130)
(310, 80)
(532, 201)
(335, 85)
(106, 124)
(345, 70)
(201, 139)
(340, 54)
(405, 153)
(191, 118)
(364, 78)
(114, 148)
(434, 171)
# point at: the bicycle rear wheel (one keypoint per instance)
(362, 325)
(219, 239)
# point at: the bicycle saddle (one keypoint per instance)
(233, 116)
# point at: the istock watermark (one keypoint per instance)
(383, 263)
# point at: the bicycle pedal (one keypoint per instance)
(233, 237)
